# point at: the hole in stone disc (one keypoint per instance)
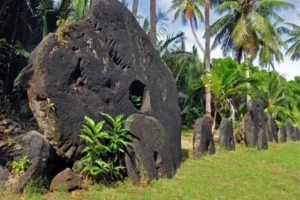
(136, 93)
(157, 158)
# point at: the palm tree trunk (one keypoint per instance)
(135, 6)
(153, 19)
(248, 85)
(207, 56)
(195, 36)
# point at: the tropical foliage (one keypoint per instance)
(104, 149)
(247, 30)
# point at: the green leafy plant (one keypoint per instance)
(20, 165)
(103, 149)
(50, 104)
(63, 22)
(137, 101)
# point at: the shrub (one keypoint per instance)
(20, 165)
(104, 149)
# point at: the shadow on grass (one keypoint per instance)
(185, 155)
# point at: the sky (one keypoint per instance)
(288, 68)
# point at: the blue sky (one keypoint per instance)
(288, 68)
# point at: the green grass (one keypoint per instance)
(242, 174)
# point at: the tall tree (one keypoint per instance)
(246, 26)
(135, 6)
(153, 22)
(190, 12)
(293, 32)
(207, 56)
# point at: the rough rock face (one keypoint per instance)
(290, 131)
(297, 133)
(66, 179)
(203, 141)
(9, 128)
(226, 135)
(150, 153)
(255, 125)
(104, 63)
(283, 134)
(271, 129)
(33, 145)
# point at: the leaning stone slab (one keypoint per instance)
(255, 125)
(150, 154)
(203, 141)
(226, 135)
(290, 131)
(271, 129)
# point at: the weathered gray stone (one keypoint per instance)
(67, 180)
(151, 151)
(290, 132)
(297, 133)
(226, 135)
(271, 129)
(255, 125)
(98, 65)
(203, 141)
(283, 134)
(37, 149)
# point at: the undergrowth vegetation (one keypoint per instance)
(104, 149)
(242, 174)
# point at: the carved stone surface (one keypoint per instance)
(226, 135)
(151, 151)
(271, 129)
(255, 125)
(203, 141)
(104, 63)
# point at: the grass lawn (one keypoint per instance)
(242, 174)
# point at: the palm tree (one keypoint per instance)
(273, 92)
(161, 24)
(270, 48)
(294, 32)
(245, 26)
(135, 6)
(190, 12)
(207, 56)
(153, 22)
(227, 78)
(171, 45)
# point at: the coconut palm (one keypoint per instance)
(272, 92)
(207, 55)
(190, 12)
(245, 26)
(227, 78)
(153, 22)
(173, 44)
(161, 24)
(293, 32)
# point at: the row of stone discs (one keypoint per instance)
(254, 134)
(289, 132)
